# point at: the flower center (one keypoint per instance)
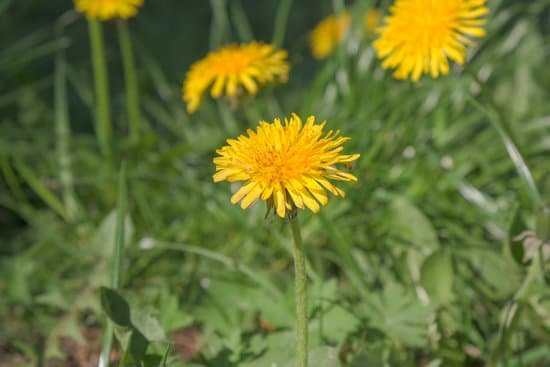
(283, 165)
(231, 63)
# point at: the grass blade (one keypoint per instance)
(241, 22)
(281, 21)
(63, 134)
(42, 190)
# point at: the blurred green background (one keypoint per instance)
(418, 266)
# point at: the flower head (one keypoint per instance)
(371, 20)
(328, 34)
(232, 70)
(331, 31)
(108, 9)
(421, 35)
(288, 164)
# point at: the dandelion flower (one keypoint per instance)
(328, 34)
(288, 164)
(421, 35)
(371, 20)
(108, 9)
(232, 70)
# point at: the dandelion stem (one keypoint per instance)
(104, 129)
(281, 20)
(301, 293)
(130, 79)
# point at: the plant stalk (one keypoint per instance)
(63, 135)
(104, 128)
(130, 80)
(301, 293)
(281, 20)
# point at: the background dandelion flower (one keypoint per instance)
(108, 9)
(288, 164)
(328, 34)
(421, 35)
(331, 31)
(371, 20)
(234, 69)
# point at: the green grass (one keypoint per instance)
(418, 266)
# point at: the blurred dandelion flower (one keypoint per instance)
(421, 35)
(328, 34)
(108, 9)
(372, 20)
(233, 70)
(288, 164)
(331, 31)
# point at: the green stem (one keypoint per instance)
(130, 79)
(63, 135)
(219, 29)
(301, 293)
(281, 20)
(241, 22)
(104, 128)
(504, 128)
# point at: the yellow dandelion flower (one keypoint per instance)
(234, 69)
(328, 34)
(371, 20)
(288, 164)
(108, 9)
(421, 35)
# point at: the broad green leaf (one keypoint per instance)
(407, 222)
(398, 314)
(146, 321)
(115, 306)
(370, 354)
(499, 276)
(135, 350)
(103, 240)
(437, 277)
(320, 357)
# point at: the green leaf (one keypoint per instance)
(146, 322)
(320, 357)
(104, 237)
(115, 306)
(398, 314)
(134, 352)
(42, 190)
(165, 355)
(152, 360)
(437, 277)
(499, 275)
(409, 223)
(515, 227)
(370, 354)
